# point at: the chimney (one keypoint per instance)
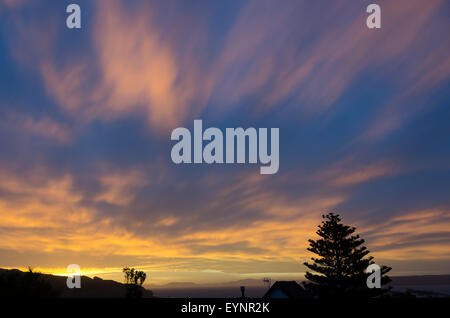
(243, 291)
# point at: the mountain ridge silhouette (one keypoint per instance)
(95, 287)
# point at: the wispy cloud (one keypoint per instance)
(86, 171)
(119, 187)
(44, 127)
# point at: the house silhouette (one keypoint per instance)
(287, 289)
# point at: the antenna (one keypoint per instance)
(267, 282)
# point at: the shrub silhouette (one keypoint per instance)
(134, 280)
(340, 269)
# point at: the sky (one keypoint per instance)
(86, 117)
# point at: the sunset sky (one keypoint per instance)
(86, 116)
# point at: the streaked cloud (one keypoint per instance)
(414, 233)
(349, 172)
(85, 172)
(44, 127)
(120, 187)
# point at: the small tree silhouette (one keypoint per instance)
(342, 263)
(134, 280)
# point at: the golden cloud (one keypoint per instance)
(119, 187)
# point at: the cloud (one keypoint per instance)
(45, 127)
(309, 64)
(138, 68)
(350, 171)
(50, 214)
(47, 213)
(426, 75)
(412, 233)
(106, 192)
(12, 3)
(119, 187)
(36, 201)
(142, 66)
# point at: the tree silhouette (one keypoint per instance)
(340, 269)
(134, 280)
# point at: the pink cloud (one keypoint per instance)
(141, 66)
(269, 38)
(140, 71)
(44, 127)
(120, 187)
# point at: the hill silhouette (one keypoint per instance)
(100, 288)
(421, 280)
(90, 287)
